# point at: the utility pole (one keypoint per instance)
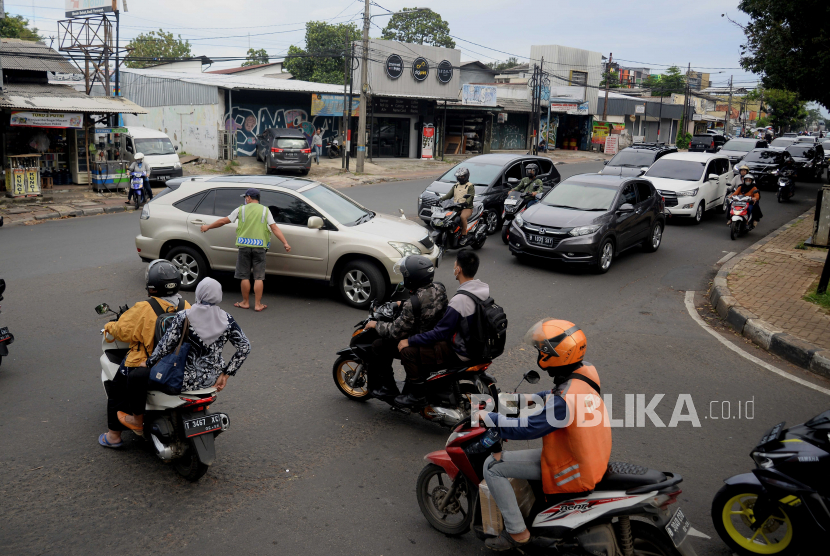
(686, 101)
(727, 114)
(607, 71)
(364, 88)
(343, 125)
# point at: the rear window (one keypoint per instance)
(806, 151)
(686, 170)
(781, 142)
(765, 156)
(288, 143)
(743, 146)
(632, 159)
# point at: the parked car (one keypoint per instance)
(706, 143)
(782, 143)
(284, 149)
(636, 159)
(590, 219)
(809, 160)
(489, 173)
(789, 135)
(159, 153)
(332, 237)
(765, 164)
(736, 149)
(691, 183)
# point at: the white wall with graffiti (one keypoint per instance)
(193, 128)
(250, 119)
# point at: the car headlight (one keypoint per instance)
(177, 165)
(420, 202)
(584, 230)
(145, 212)
(774, 172)
(405, 248)
(689, 193)
(519, 220)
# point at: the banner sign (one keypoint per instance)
(78, 8)
(640, 109)
(46, 119)
(582, 109)
(612, 143)
(427, 141)
(697, 117)
(478, 95)
(561, 107)
(332, 105)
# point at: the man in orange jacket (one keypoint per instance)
(574, 428)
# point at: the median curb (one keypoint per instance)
(761, 333)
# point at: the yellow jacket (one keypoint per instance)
(137, 326)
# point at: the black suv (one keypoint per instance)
(809, 160)
(764, 165)
(706, 143)
(489, 173)
(736, 149)
(636, 159)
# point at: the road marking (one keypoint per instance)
(690, 307)
(726, 257)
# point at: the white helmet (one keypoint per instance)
(139, 156)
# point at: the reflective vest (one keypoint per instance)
(575, 457)
(252, 229)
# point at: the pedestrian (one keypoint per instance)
(253, 239)
(317, 144)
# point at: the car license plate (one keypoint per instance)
(540, 240)
(202, 425)
(678, 527)
(290, 155)
(511, 201)
(163, 178)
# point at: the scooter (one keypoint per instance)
(515, 203)
(137, 185)
(449, 391)
(177, 429)
(333, 148)
(445, 227)
(6, 337)
(740, 216)
(781, 507)
(451, 496)
(786, 188)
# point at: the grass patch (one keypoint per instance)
(230, 167)
(801, 246)
(822, 300)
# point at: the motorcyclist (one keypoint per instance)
(573, 426)
(739, 179)
(139, 167)
(747, 188)
(462, 188)
(530, 183)
(137, 327)
(430, 304)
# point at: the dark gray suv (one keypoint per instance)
(284, 149)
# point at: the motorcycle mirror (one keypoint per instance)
(532, 377)
(102, 309)
(399, 288)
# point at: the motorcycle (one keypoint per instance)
(786, 188)
(137, 185)
(333, 148)
(740, 217)
(6, 337)
(515, 203)
(445, 226)
(450, 497)
(449, 391)
(177, 428)
(781, 507)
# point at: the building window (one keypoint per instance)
(578, 78)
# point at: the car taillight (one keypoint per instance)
(275, 150)
(306, 151)
(712, 146)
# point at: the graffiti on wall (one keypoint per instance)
(248, 121)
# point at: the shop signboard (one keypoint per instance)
(564, 107)
(444, 71)
(640, 109)
(428, 141)
(386, 105)
(394, 66)
(332, 105)
(46, 119)
(612, 143)
(478, 95)
(582, 109)
(79, 8)
(420, 69)
(567, 92)
(697, 117)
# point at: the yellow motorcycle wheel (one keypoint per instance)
(733, 517)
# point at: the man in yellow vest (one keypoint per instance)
(253, 238)
(574, 428)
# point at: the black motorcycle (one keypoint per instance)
(781, 507)
(333, 148)
(445, 226)
(515, 203)
(786, 185)
(6, 337)
(448, 393)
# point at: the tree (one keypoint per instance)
(664, 85)
(814, 116)
(145, 49)
(16, 27)
(786, 109)
(787, 44)
(321, 61)
(507, 64)
(611, 78)
(256, 57)
(419, 27)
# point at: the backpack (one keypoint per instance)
(486, 332)
(163, 318)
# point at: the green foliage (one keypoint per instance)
(421, 27)
(321, 61)
(16, 27)
(787, 43)
(786, 108)
(611, 79)
(683, 140)
(763, 122)
(664, 85)
(823, 299)
(814, 116)
(256, 57)
(160, 45)
(507, 64)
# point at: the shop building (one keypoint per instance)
(649, 120)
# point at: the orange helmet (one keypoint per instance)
(559, 343)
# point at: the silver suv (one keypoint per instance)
(332, 237)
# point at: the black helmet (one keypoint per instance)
(462, 175)
(532, 168)
(163, 278)
(416, 270)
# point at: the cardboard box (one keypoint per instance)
(491, 518)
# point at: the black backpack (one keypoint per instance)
(163, 318)
(486, 333)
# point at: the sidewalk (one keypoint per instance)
(761, 294)
(64, 202)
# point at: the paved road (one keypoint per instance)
(302, 469)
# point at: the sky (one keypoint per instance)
(650, 33)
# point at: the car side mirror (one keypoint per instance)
(605, 163)
(626, 207)
(315, 222)
(512, 181)
(713, 176)
(102, 309)
(718, 149)
(532, 377)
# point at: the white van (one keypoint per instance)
(159, 154)
(691, 183)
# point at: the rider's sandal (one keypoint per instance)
(122, 418)
(102, 440)
(504, 542)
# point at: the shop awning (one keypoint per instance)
(62, 98)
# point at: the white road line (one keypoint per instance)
(695, 533)
(726, 257)
(690, 307)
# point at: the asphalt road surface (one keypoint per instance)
(304, 470)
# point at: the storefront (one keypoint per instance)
(570, 125)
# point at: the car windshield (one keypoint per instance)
(632, 159)
(481, 174)
(337, 205)
(781, 142)
(765, 156)
(149, 147)
(686, 170)
(581, 196)
(743, 146)
(826, 145)
(291, 143)
(805, 151)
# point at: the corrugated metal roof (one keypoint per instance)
(239, 82)
(32, 96)
(243, 69)
(515, 105)
(18, 54)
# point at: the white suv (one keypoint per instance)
(691, 183)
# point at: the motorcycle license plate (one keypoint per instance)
(540, 240)
(202, 425)
(678, 527)
(511, 201)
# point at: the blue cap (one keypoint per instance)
(252, 192)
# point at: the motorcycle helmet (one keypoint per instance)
(162, 278)
(560, 344)
(462, 175)
(532, 170)
(744, 167)
(416, 270)
(749, 178)
(139, 157)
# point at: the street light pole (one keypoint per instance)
(364, 74)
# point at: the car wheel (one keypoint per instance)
(699, 212)
(360, 282)
(191, 264)
(655, 238)
(724, 204)
(606, 257)
(491, 219)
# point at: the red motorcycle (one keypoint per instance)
(598, 523)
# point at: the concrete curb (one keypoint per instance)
(761, 333)
(74, 212)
